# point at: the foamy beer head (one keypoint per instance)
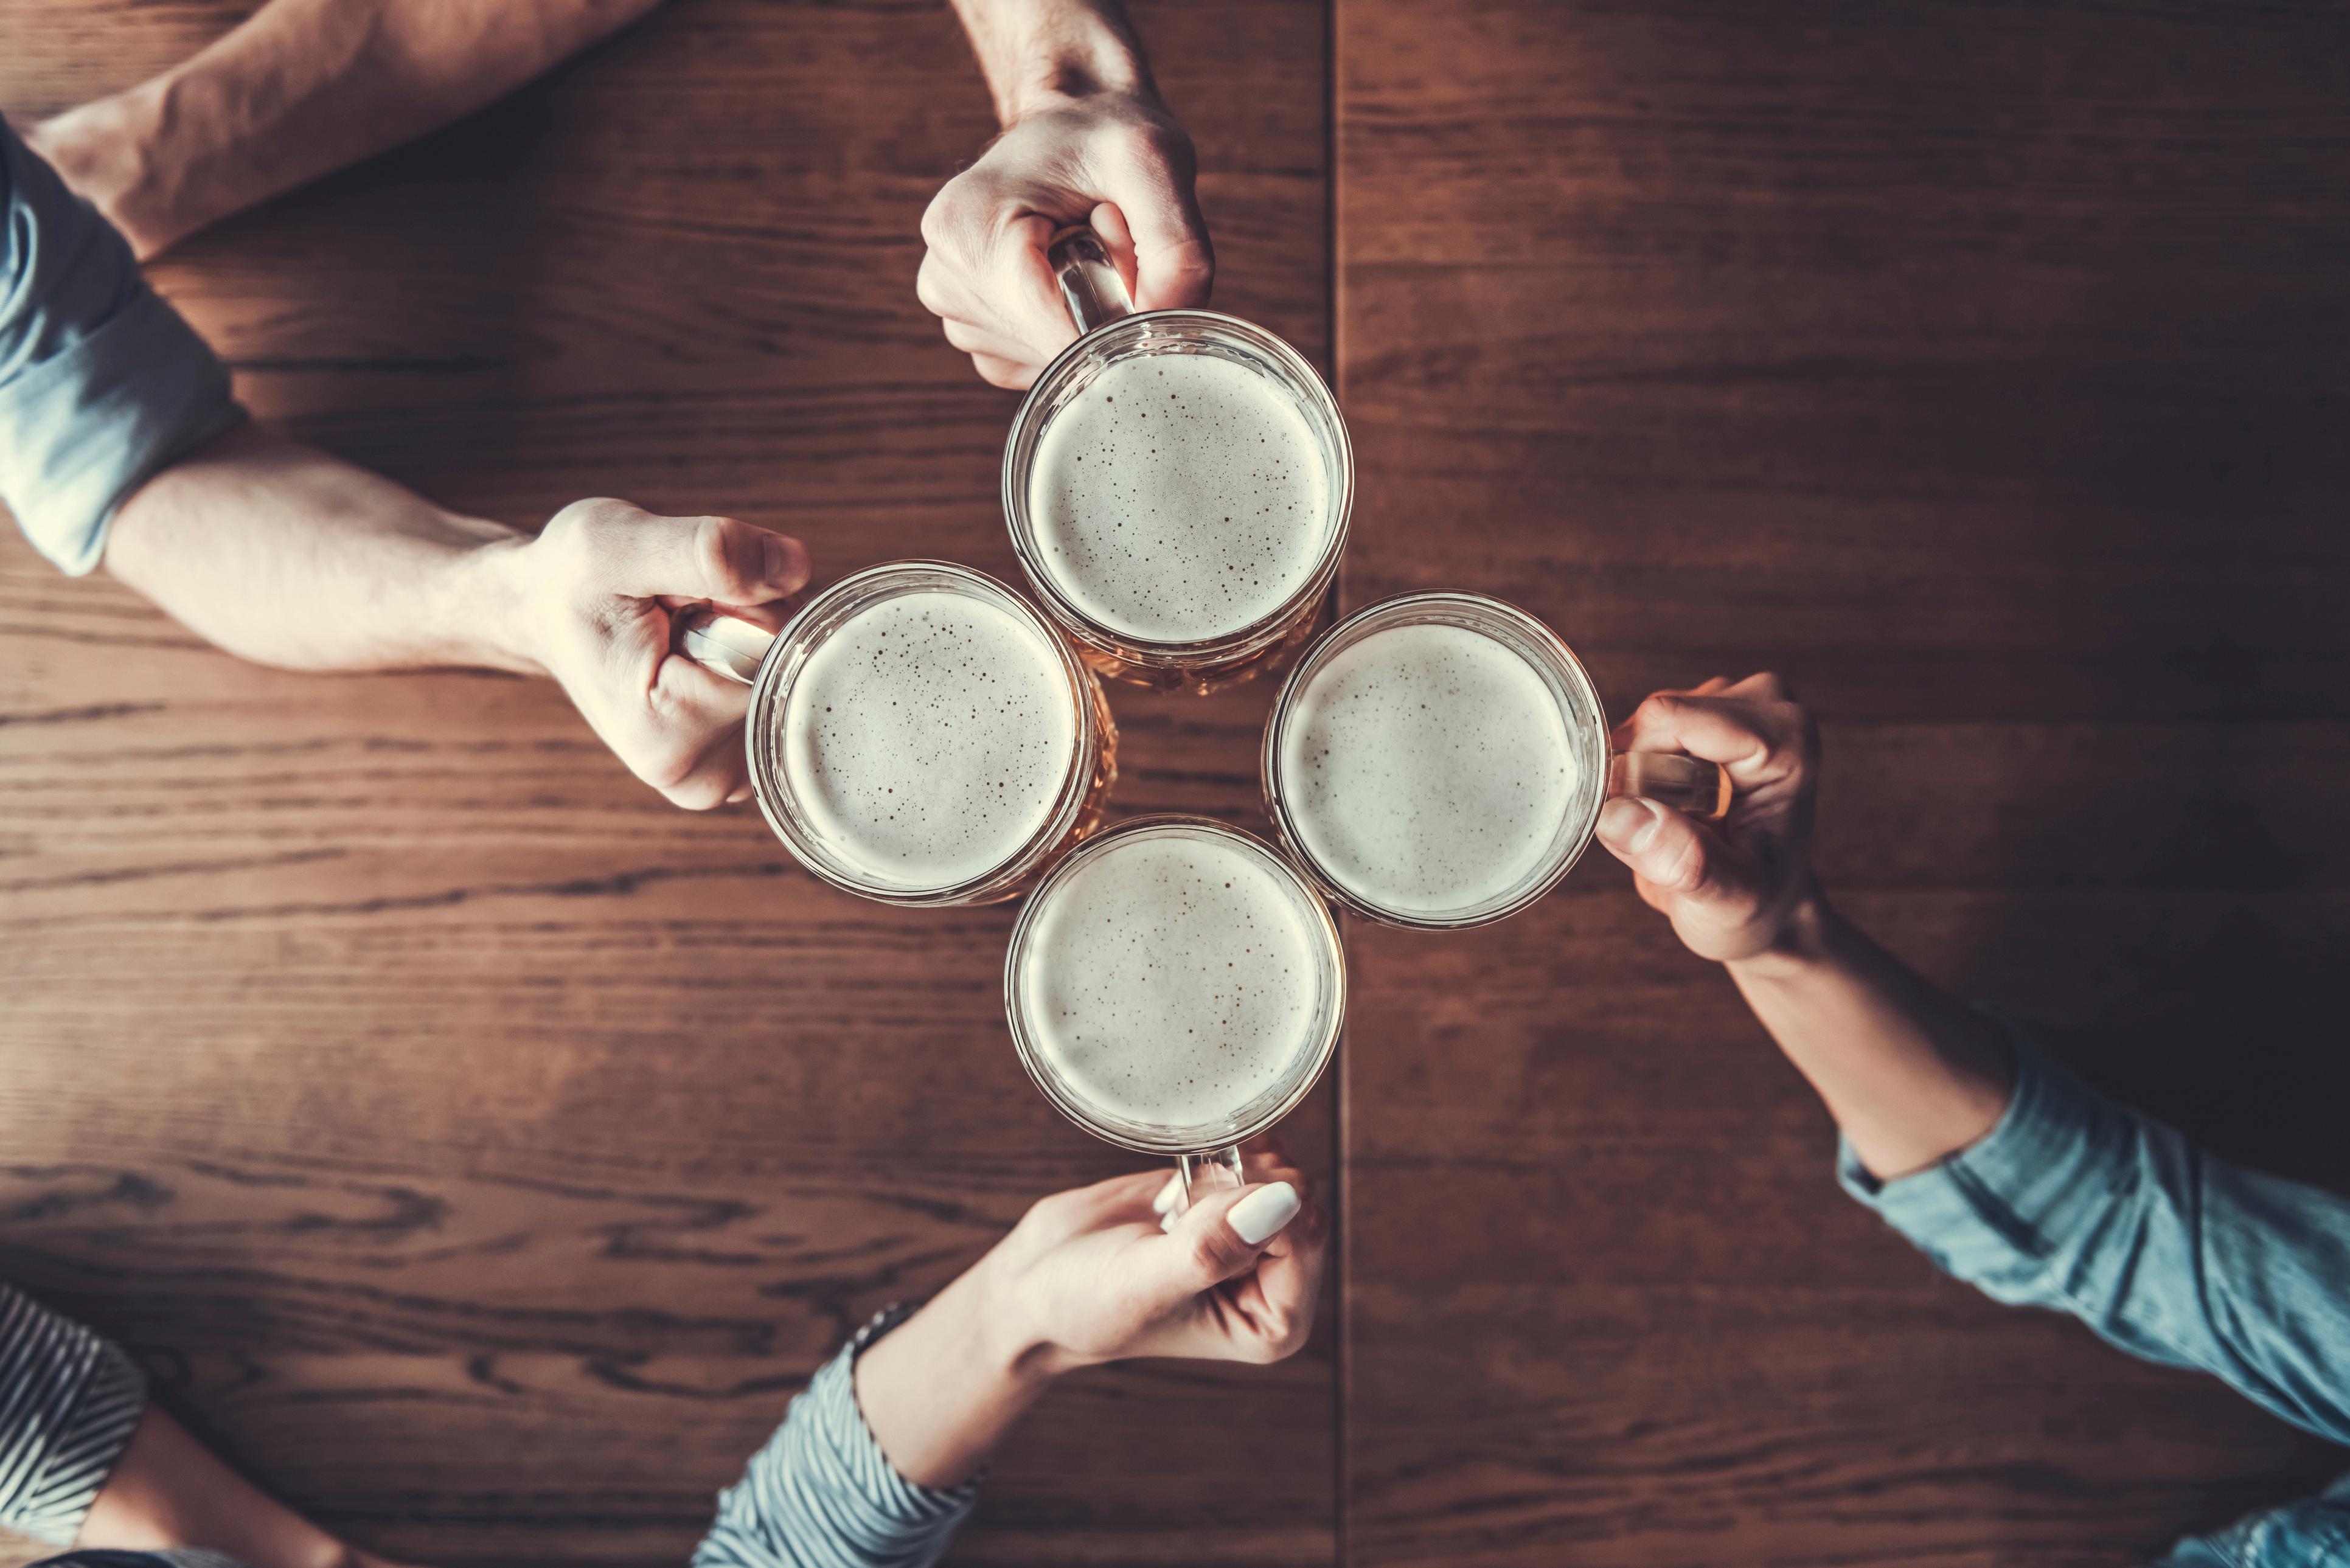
(1177, 486)
(1437, 760)
(1174, 986)
(924, 737)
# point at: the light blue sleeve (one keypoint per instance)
(2076, 1204)
(101, 383)
(2298, 1535)
(822, 1494)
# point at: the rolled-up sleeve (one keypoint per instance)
(822, 1494)
(2074, 1203)
(102, 384)
(68, 1401)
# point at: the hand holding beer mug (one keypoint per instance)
(1441, 761)
(1733, 888)
(918, 734)
(1234, 1278)
(1178, 485)
(1175, 988)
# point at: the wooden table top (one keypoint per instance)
(482, 1152)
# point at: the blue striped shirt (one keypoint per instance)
(821, 1494)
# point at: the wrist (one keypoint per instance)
(1067, 57)
(106, 151)
(488, 616)
(1009, 1333)
(1806, 937)
(1073, 89)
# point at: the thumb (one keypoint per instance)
(1671, 852)
(719, 558)
(1216, 1238)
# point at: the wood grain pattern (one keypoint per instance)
(482, 1152)
(477, 1149)
(1984, 371)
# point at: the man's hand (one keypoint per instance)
(1116, 161)
(1090, 1276)
(1085, 141)
(595, 592)
(1745, 888)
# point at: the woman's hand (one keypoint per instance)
(1744, 888)
(1087, 1277)
(1091, 1276)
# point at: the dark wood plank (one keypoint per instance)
(478, 1150)
(1983, 370)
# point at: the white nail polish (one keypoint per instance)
(1167, 1222)
(1169, 1194)
(1260, 1216)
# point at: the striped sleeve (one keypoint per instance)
(69, 1400)
(822, 1494)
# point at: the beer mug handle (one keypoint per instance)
(727, 645)
(1205, 1173)
(1090, 285)
(1685, 783)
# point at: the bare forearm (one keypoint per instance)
(168, 1489)
(940, 1392)
(283, 554)
(1036, 50)
(301, 87)
(1909, 1072)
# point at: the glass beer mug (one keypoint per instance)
(1453, 846)
(918, 734)
(1177, 484)
(1175, 987)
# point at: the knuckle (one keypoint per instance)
(939, 214)
(1164, 143)
(668, 769)
(1208, 1252)
(1685, 871)
(956, 216)
(928, 287)
(713, 551)
(575, 523)
(1659, 708)
(1046, 1209)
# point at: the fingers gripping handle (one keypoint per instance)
(1090, 285)
(1210, 1172)
(723, 643)
(1688, 785)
